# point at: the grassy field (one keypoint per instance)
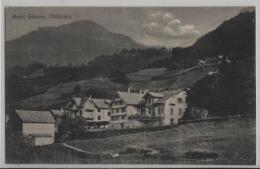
(62, 92)
(145, 74)
(232, 141)
(161, 79)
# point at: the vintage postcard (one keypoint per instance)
(130, 85)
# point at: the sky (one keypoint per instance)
(162, 26)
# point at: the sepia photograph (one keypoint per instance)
(130, 85)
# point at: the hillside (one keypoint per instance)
(34, 79)
(234, 38)
(154, 69)
(56, 96)
(161, 79)
(231, 91)
(105, 88)
(76, 43)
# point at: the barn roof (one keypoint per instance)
(130, 98)
(35, 116)
(57, 113)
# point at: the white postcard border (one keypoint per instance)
(122, 3)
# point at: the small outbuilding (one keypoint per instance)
(37, 126)
(58, 115)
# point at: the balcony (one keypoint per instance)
(118, 114)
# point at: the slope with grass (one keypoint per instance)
(62, 93)
(105, 88)
(232, 140)
(161, 79)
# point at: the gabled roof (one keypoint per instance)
(101, 103)
(130, 98)
(82, 101)
(57, 113)
(154, 94)
(108, 101)
(35, 116)
(77, 100)
(169, 95)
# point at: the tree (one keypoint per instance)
(77, 89)
(229, 92)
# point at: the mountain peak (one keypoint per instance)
(82, 26)
(81, 40)
(82, 23)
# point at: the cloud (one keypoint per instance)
(164, 25)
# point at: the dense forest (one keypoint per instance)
(231, 91)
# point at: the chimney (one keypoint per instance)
(129, 90)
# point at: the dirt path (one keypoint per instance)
(77, 149)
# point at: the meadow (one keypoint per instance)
(227, 142)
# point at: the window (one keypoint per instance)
(122, 109)
(108, 113)
(180, 113)
(171, 110)
(148, 100)
(180, 100)
(160, 110)
(99, 110)
(117, 110)
(99, 117)
(149, 111)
